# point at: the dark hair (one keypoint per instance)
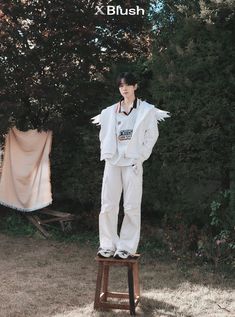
(129, 79)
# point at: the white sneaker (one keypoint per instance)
(122, 254)
(105, 253)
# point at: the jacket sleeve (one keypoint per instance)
(150, 136)
(101, 134)
(152, 132)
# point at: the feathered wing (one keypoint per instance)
(161, 114)
(96, 120)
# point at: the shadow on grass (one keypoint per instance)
(152, 308)
(148, 307)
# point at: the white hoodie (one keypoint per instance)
(144, 136)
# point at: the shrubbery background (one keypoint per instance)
(58, 67)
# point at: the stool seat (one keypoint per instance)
(102, 294)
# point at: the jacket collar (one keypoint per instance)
(143, 110)
(119, 107)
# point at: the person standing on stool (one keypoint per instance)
(129, 130)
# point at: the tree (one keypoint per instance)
(193, 73)
(53, 57)
(54, 65)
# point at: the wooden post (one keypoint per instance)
(105, 281)
(131, 289)
(136, 279)
(98, 286)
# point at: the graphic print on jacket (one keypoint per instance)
(125, 135)
(124, 126)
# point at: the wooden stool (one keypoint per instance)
(102, 294)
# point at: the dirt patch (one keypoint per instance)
(44, 278)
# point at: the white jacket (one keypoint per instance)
(144, 136)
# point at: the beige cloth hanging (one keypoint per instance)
(25, 181)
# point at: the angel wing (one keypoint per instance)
(96, 120)
(161, 114)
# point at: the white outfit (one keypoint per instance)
(144, 135)
(117, 179)
(124, 129)
(123, 170)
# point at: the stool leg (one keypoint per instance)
(136, 279)
(98, 286)
(105, 281)
(131, 290)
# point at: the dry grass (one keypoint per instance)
(46, 278)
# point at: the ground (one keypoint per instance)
(42, 278)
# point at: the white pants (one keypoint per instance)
(115, 180)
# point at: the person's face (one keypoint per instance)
(126, 90)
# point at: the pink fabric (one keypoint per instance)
(25, 181)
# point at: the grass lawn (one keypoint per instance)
(57, 278)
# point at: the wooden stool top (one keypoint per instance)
(133, 259)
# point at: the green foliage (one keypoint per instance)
(58, 69)
(221, 217)
(190, 184)
(194, 80)
(54, 56)
(83, 237)
(16, 225)
(223, 223)
(154, 247)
